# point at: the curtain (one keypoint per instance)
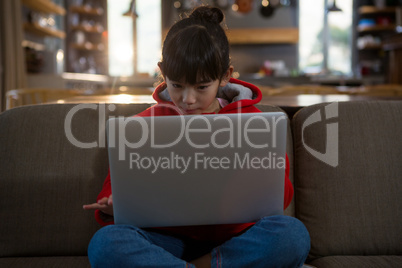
(12, 61)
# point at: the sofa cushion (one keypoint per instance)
(358, 262)
(352, 207)
(40, 262)
(45, 179)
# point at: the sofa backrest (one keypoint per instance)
(45, 178)
(354, 206)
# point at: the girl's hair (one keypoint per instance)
(196, 48)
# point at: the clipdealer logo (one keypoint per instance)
(196, 132)
(331, 154)
(185, 129)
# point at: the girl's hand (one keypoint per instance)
(105, 205)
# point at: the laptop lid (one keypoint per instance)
(197, 169)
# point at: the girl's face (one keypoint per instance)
(198, 98)
(194, 99)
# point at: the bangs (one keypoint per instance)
(192, 57)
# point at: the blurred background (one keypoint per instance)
(98, 47)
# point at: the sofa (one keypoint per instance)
(346, 167)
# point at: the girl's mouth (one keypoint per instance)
(190, 111)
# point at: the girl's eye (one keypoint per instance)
(202, 87)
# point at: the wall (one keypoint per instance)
(249, 58)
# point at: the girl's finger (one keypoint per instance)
(103, 201)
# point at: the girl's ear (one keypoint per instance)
(225, 79)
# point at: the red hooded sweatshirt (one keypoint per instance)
(242, 97)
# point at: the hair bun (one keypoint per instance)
(211, 14)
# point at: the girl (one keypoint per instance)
(197, 80)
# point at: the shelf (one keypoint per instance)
(368, 10)
(45, 6)
(86, 10)
(87, 29)
(374, 25)
(44, 31)
(393, 42)
(371, 47)
(263, 36)
(376, 28)
(33, 45)
(88, 46)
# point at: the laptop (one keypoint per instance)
(197, 169)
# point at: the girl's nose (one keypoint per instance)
(189, 96)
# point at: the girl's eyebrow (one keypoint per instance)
(196, 83)
(176, 82)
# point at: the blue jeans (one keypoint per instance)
(276, 241)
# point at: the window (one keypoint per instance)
(122, 59)
(149, 35)
(325, 44)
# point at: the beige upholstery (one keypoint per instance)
(56, 261)
(45, 180)
(355, 207)
(359, 261)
